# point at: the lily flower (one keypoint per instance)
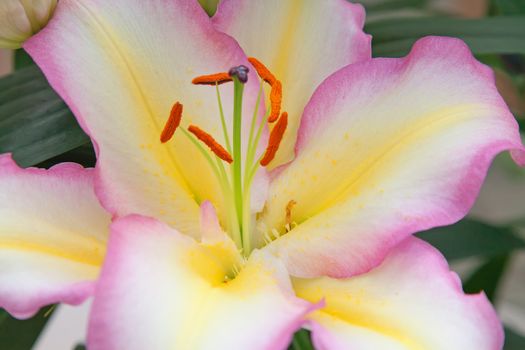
(228, 236)
(20, 19)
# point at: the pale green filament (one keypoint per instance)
(220, 173)
(223, 120)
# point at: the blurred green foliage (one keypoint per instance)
(21, 335)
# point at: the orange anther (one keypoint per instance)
(211, 143)
(212, 79)
(172, 124)
(261, 69)
(276, 97)
(276, 94)
(276, 137)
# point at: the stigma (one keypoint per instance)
(241, 72)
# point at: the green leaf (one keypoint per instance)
(487, 277)
(390, 5)
(395, 37)
(513, 340)
(22, 59)
(35, 124)
(301, 341)
(22, 334)
(471, 238)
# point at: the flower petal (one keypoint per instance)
(52, 236)
(161, 290)
(301, 42)
(387, 148)
(120, 65)
(411, 301)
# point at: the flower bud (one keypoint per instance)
(20, 19)
(210, 6)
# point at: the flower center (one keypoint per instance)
(234, 172)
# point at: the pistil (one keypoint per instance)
(238, 89)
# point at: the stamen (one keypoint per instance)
(289, 208)
(212, 79)
(276, 137)
(172, 124)
(209, 141)
(262, 71)
(276, 97)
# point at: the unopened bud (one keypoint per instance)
(20, 19)
(210, 6)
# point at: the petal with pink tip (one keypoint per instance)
(387, 148)
(162, 290)
(410, 301)
(52, 236)
(120, 65)
(301, 41)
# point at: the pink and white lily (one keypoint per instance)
(381, 149)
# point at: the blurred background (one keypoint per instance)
(487, 248)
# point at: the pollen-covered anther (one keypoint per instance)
(212, 79)
(262, 71)
(276, 137)
(173, 123)
(276, 93)
(209, 141)
(289, 208)
(276, 97)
